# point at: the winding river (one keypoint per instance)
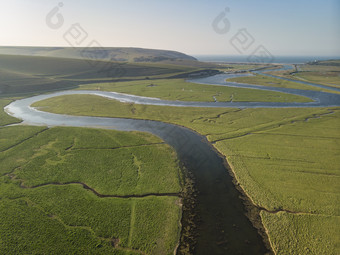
(222, 227)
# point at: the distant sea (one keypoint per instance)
(277, 59)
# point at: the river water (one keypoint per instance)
(223, 227)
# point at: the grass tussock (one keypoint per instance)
(49, 217)
(286, 160)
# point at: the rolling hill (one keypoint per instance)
(122, 54)
(30, 74)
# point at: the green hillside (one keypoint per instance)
(31, 74)
(124, 54)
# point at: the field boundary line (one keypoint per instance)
(85, 186)
(24, 140)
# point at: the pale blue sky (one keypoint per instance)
(303, 27)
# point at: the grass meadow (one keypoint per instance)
(179, 89)
(259, 79)
(323, 72)
(27, 75)
(286, 160)
(326, 78)
(241, 66)
(5, 119)
(44, 207)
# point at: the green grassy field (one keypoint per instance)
(286, 160)
(302, 233)
(22, 75)
(240, 67)
(326, 78)
(179, 89)
(216, 123)
(293, 171)
(323, 72)
(44, 208)
(51, 67)
(275, 82)
(5, 119)
(126, 54)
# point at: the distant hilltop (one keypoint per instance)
(123, 54)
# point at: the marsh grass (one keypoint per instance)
(326, 78)
(6, 119)
(179, 89)
(41, 211)
(275, 82)
(286, 160)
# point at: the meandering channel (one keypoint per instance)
(222, 226)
